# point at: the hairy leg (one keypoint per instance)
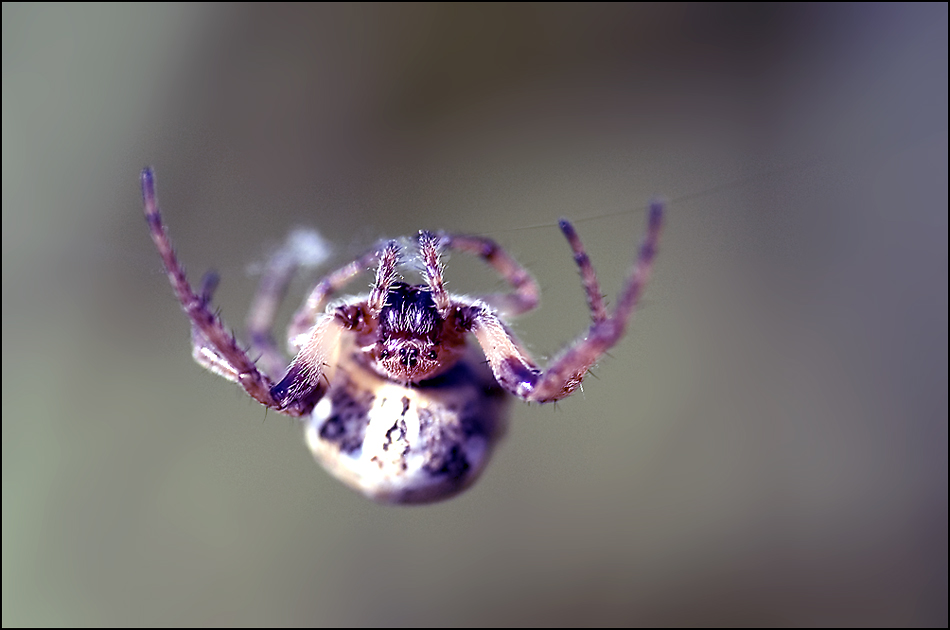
(214, 347)
(301, 249)
(316, 353)
(513, 367)
(319, 343)
(315, 303)
(525, 295)
(595, 299)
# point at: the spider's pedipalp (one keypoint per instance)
(385, 275)
(429, 251)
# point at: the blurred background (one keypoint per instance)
(768, 445)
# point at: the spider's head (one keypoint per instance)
(409, 347)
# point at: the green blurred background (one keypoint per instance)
(767, 446)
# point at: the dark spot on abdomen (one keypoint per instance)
(349, 418)
(347, 433)
(399, 429)
(453, 464)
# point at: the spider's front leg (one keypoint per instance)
(320, 345)
(213, 346)
(302, 379)
(313, 306)
(513, 367)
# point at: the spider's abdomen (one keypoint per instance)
(399, 444)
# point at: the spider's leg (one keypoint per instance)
(513, 367)
(318, 350)
(214, 347)
(302, 248)
(595, 299)
(515, 370)
(313, 306)
(526, 293)
(305, 316)
(203, 352)
(207, 356)
(278, 273)
(639, 273)
(565, 372)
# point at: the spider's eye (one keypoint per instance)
(433, 355)
(384, 354)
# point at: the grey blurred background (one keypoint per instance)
(767, 446)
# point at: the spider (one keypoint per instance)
(393, 402)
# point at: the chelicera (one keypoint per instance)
(394, 401)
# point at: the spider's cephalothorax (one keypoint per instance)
(394, 402)
(412, 335)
